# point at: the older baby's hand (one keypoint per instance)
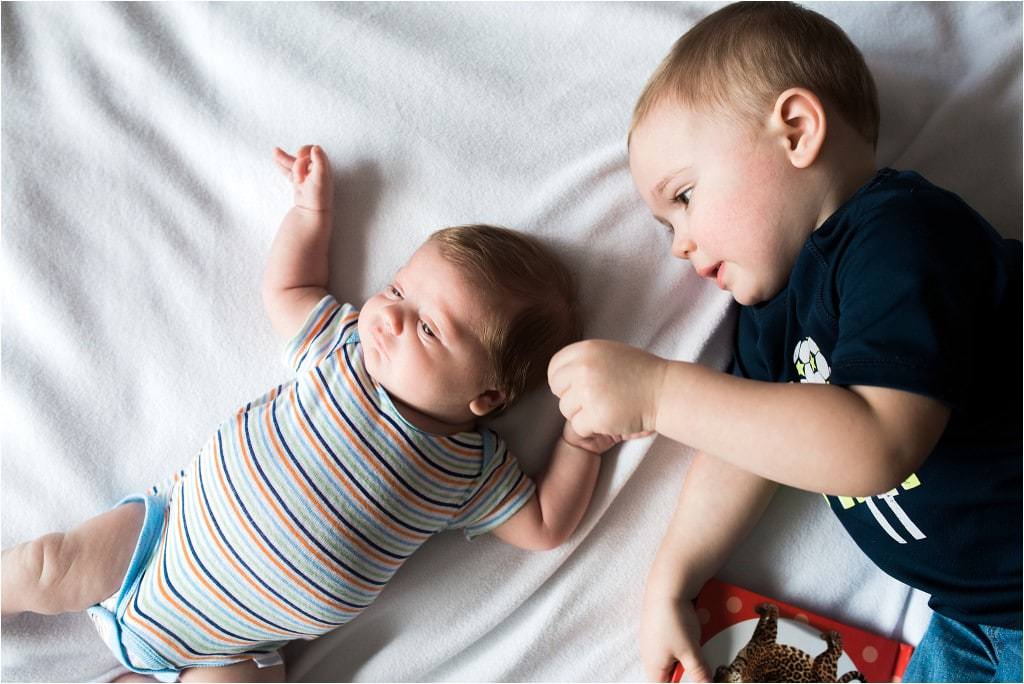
(607, 388)
(310, 174)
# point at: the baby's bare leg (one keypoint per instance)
(68, 572)
(245, 671)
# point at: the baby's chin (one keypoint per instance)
(745, 296)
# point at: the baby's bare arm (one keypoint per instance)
(855, 441)
(562, 496)
(718, 506)
(68, 572)
(297, 268)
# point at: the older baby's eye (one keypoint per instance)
(393, 292)
(426, 329)
(684, 197)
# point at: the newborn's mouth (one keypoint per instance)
(378, 343)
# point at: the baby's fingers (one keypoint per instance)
(318, 157)
(284, 161)
(694, 667)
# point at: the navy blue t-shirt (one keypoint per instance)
(907, 287)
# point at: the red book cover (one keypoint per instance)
(729, 617)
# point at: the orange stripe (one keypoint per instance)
(471, 452)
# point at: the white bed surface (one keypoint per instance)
(140, 199)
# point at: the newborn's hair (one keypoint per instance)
(537, 313)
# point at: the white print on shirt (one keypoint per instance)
(812, 366)
(890, 500)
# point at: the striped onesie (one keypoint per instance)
(297, 512)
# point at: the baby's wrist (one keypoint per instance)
(580, 447)
(312, 210)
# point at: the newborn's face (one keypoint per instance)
(420, 337)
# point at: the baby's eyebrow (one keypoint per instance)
(660, 187)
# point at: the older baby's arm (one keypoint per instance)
(856, 441)
(297, 269)
(563, 494)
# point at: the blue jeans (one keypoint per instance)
(952, 651)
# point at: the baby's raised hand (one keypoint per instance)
(310, 174)
(607, 388)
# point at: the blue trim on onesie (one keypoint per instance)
(130, 651)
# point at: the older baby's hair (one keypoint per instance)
(539, 290)
(740, 58)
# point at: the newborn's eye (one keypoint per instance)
(426, 329)
(684, 197)
(393, 291)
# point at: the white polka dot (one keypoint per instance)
(733, 604)
(869, 654)
(704, 615)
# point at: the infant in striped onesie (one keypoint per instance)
(296, 513)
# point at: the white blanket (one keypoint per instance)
(140, 200)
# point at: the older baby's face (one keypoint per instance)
(728, 194)
(420, 339)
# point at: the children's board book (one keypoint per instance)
(747, 637)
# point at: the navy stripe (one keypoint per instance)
(478, 447)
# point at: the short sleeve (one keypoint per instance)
(328, 325)
(746, 362)
(501, 490)
(912, 293)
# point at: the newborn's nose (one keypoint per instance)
(392, 316)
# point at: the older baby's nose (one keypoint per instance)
(683, 247)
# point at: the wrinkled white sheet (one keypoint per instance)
(140, 200)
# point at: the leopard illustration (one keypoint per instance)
(763, 660)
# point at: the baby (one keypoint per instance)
(304, 504)
(865, 295)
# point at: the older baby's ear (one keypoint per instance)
(799, 118)
(486, 402)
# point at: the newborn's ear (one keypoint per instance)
(486, 402)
